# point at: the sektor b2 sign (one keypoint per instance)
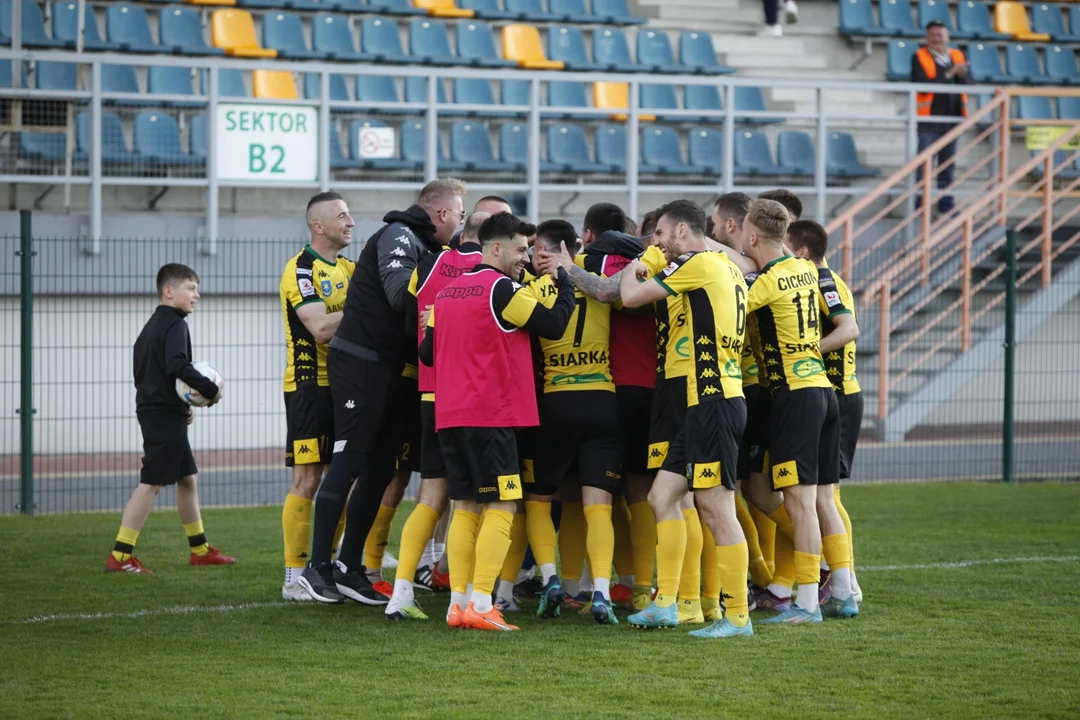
(267, 143)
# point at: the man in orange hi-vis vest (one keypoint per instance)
(936, 62)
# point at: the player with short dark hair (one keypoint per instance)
(788, 199)
(162, 355)
(599, 219)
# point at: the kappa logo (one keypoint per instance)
(461, 291)
(403, 239)
(710, 390)
(301, 342)
(705, 357)
(394, 264)
(704, 340)
(398, 251)
(511, 485)
(322, 273)
(783, 473)
(304, 450)
(349, 404)
(706, 473)
(708, 373)
(304, 357)
(655, 453)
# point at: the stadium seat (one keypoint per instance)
(379, 89)
(1061, 65)
(379, 40)
(1046, 18)
(938, 10)
(33, 26)
(355, 128)
(703, 97)
(515, 92)
(234, 31)
(659, 97)
(416, 91)
(339, 89)
(197, 144)
(795, 153)
(1069, 108)
(114, 147)
(56, 76)
(615, 12)
(572, 11)
(128, 26)
(896, 18)
(488, 9)
(615, 96)
(749, 98)
(973, 18)
(120, 79)
(430, 43)
(661, 153)
(655, 53)
(1022, 63)
(278, 84)
(49, 147)
(157, 140)
(530, 11)
(568, 94)
(470, 145)
(443, 8)
(521, 43)
(284, 32)
(1061, 157)
(258, 4)
(611, 50)
(477, 91)
(752, 154)
(842, 159)
(1011, 18)
(7, 77)
(413, 143)
(181, 32)
(163, 80)
(697, 53)
(230, 83)
(1034, 108)
(1074, 18)
(313, 5)
(338, 160)
(476, 46)
(610, 144)
(985, 65)
(857, 18)
(394, 7)
(566, 44)
(568, 150)
(65, 26)
(705, 150)
(332, 37)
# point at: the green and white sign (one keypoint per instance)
(267, 143)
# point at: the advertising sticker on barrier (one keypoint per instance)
(1040, 137)
(376, 142)
(267, 143)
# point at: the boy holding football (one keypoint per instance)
(163, 355)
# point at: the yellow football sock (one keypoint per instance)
(710, 571)
(492, 542)
(461, 548)
(541, 531)
(519, 542)
(847, 524)
(807, 568)
(759, 571)
(690, 579)
(835, 550)
(670, 549)
(572, 540)
(783, 521)
(414, 536)
(378, 537)
(766, 532)
(643, 539)
(125, 543)
(733, 562)
(196, 538)
(338, 533)
(784, 574)
(624, 550)
(599, 540)
(296, 528)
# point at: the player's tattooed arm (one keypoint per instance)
(604, 289)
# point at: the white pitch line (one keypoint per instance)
(968, 563)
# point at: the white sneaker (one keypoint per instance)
(389, 562)
(771, 31)
(791, 12)
(295, 591)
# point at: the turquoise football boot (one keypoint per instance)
(843, 609)
(795, 616)
(551, 598)
(656, 617)
(723, 629)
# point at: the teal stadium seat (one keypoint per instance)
(842, 158)
(705, 150)
(120, 79)
(611, 50)
(938, 11)
(284, 32)
(566, 43)
(568, 94)
(973, 18)
(379, 39)
(857, 18)
(1022, 63)
(380, 89)
(197, 144)
(128, 26)
(477, 91)
(659, 97)
(661, 152)
(572, 11)
(331, 36)
(44, 147)
(615, 12)
(263, 4)
(984, 64)
(413, 143)
(753, 155)
(56, 76)
(515, 92)
(1061, 65)
(394, 7)
(654, 51)
(181, 32)
(486, 9)
(114, 147)
(33, 26)
(530, 11)
(696, 52)
(470, 145)
(476, 46)
(568, 151)
(1034, 108)
(1069, 108)
(416, 91)
(430, 43)
(514, 146)
(157, 140)
(610, 144)
(339, 88)
(703, 97)
(896, 18)
(162, 80)
(65, 26)
(795, 152)
(1047, 18)
(749, 98)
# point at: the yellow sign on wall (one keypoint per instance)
(1040, 137)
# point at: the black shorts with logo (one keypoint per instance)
(635, 417)
(706, 452)
(578, 429)
(754, 448)
(167, 453)
(407, 410)
(364, 394)
(851, 412)
(526, 443)
(432, 464)
(804, 437)
(668, 413)
(481, 464)
(309, 425)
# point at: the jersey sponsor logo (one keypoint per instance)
(792, 348)
(671, 268)
(398, 251)
(807, 367)
(732, 369)
(832, 298)
(580, 379)
(303, 271)
(327, 287)
(394, 264)
(459, 292)
(751, 370)
(790, 282)
(306, 288)
(681, 348)
(590, 357)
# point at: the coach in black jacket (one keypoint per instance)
(364, 362)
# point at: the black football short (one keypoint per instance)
(754, 448)
(668, 413)
(706, 452)
(635, 417)
(432, 464)
(364, 394)
(481, 464)
(526, 444)
(309, 425)
(407, 409)
(579, 433)
(851, 412)
(166, 451)
(804, 437)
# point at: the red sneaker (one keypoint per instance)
(384, 587)
(440, 581)
(214, 557)
(621, 594)
(491, 620)
(131, 565)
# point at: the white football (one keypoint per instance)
(192, 397)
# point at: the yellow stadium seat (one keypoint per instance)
(443, 8)
(277, 84)
(615, 96)
(234, 30)
(1011, 18)
(521, 43)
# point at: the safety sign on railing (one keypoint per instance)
(1040, 137)
(267, 143)
(376, 142)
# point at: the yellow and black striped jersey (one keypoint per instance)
(784, 298)
(672, 340)
(836, 299)
(748, 364)
(753, 344)
(579, 360)
(308, 278)
(714, 298)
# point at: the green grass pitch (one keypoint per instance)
(980, 639)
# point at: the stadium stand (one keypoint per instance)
(284, 33)
(128, 26)
(65, 26)
(476, 46)
(181, 32)
(973, 18)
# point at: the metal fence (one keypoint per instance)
(76, 410)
